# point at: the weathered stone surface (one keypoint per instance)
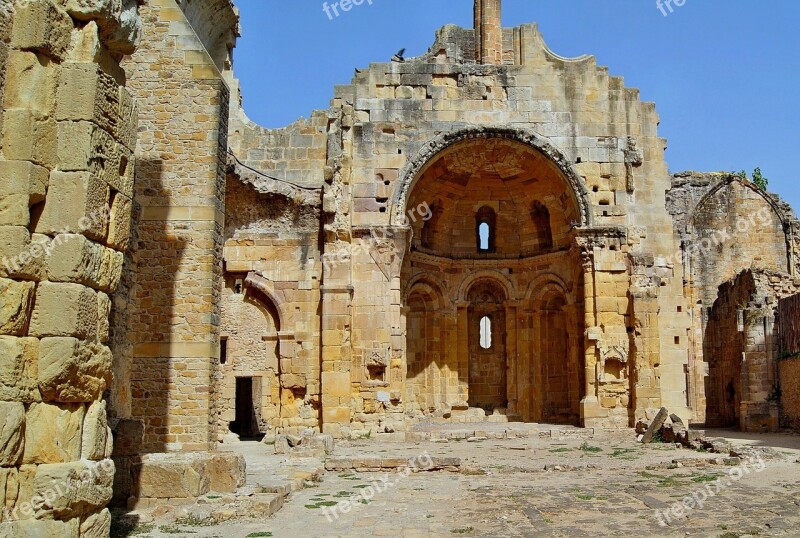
(95, 441)
(18, 369)
(31, 83)
(85, 488)
(53, 433)
(64, 310)
(655, 425)
(119, 224)
(123, 38)
(103, 313)
(21, 254)
(24, 178)
(34, 528)
(226, 472)
(118, 20)
(43, 26)
(73, 371)
(9, 490)
(29, 135)
(86, 93)
(162, 476)
(76, 202)
(97, 525)
(74, 258)
(12, 434)
(16, 300)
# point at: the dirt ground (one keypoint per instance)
(607, 485)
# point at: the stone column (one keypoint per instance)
(488, 32)
(463, 349)
(590, 404)
(512, 357)
(66, 186)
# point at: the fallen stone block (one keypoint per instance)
(655, 425)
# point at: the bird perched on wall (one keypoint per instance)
(399, 57)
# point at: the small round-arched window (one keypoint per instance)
(483, 236)
(486, 332)
(485, 221)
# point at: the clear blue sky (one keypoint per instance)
(724, 74)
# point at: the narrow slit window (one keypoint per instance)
(485, 223)
(223, 350)
(486, 332)
(483, 236)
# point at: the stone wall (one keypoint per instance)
(381, 132)
(273, 269)
(789, 361)
(725, 225)
(741, 346)
(66, 176)
(181, 163)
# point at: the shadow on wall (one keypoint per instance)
(143, 378)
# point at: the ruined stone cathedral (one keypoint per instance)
(486, 232)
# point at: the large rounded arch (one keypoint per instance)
(416, 167)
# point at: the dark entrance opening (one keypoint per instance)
(245, 424)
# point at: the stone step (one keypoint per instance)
(377, 464)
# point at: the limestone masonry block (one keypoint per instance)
(73, 371)
(96, 441)
(29, 135)
(42, 26)
(97, 525)
(82, 146)
(21, 255)
(89, 491)
(226, 472)
(44, 527)
(19, 359)
(74, 258)
(128, 119)
(16, 300)
(177, 476)
(14, 210)
(64, 310)
(119, 223)
(24, 178)
(76, 202)
(30, 82)
(86, 93)
(12, 433)
(337, 384)
(103, 312)
(118, 20)
(53, 433)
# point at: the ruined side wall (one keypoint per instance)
(789, 361)
(272, 235)
(726, 225)
(180, 187)
(66, 188)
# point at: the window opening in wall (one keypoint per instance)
(486, 332)
(483, 235)
(223, 350)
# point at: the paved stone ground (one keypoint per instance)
(609, 486)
